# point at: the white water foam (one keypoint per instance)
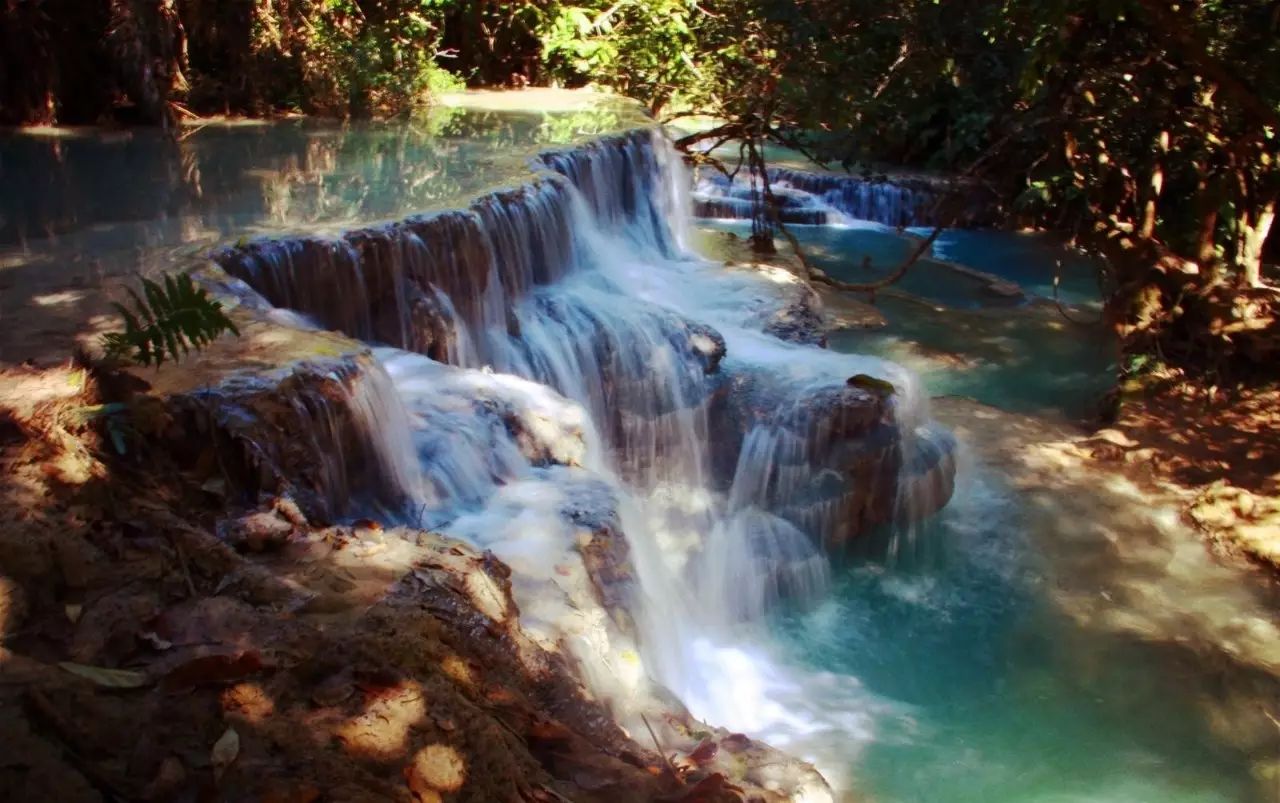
(581, 390)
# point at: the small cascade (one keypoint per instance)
(606, 413)
(424, 283)
(826, 461)
(644, 373)
(821, 198)
(631, 186)
(343, 453)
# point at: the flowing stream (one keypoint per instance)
(927, 665)
(989, 686)
(565, 364)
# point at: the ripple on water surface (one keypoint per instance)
(997, 696)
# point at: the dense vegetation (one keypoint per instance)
(1146, 129)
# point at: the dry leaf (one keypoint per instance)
(224, 752)
(107, 678)
(73, 612)
(705, 751)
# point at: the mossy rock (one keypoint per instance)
(872, 384)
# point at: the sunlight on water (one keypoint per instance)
(995, 710)
(606, 413)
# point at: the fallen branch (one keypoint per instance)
(892, 278)
(1057, 279)
(727, 131)
(658, 745)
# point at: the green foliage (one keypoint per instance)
(374, 59)
(166, 322)
(645, 49)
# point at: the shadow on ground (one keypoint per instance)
(155, 647)
(1125, 563)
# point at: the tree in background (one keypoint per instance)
(82, 61)
(1145, 129)
(1148, 130)
(1155, 142)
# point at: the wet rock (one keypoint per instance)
(288, 509)
(871, 384)
(390, 283)
(708, 344)
(420, 323)
(602, 545)
(834, 414)
(303, 431)
(831, 461)
(800, 321)
(542, 437)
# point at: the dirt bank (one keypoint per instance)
(159, 644)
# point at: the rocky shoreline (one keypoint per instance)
(235, 528)
(262, 655)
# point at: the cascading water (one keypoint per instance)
(602, 382)
(816, 199)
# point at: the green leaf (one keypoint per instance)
(171, 318)
(108, 678)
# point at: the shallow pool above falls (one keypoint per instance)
(83, 209)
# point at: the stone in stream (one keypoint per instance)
(800, 321)
(835, 461)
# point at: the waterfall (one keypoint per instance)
(604, 411)
(821, 198)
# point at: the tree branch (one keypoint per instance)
(1179, 34)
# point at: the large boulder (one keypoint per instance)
(835, 461)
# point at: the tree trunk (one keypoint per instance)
(1253, 237)
(1205, 248)
(1209, 196)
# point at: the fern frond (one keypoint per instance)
(167, 322)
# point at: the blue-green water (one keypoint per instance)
(1001, 698)
(1023, 354)
(964, 340)
(1033, 261)
(1024, 359)
(987, 690)
(83, 209)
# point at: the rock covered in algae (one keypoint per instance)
(870, 383)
